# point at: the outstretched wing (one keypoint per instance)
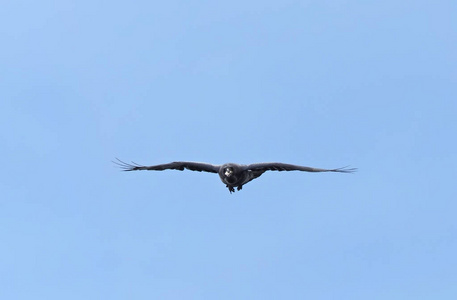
(288, 167)
(177, 165)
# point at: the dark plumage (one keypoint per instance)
(233, 175)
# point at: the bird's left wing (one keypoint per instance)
(288, 167)
(177, 165)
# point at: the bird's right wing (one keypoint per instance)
(177, 165)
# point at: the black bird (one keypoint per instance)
(233, 175)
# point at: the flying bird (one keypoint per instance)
(231, 174)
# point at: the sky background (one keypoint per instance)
(370, 84)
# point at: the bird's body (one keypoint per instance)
(231, 174)
(235, 175)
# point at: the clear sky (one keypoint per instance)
(370, 84)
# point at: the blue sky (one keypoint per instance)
(371, 84)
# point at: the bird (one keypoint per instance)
(231, 174)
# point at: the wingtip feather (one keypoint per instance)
(125, 166)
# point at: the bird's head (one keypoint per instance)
(228, 171)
